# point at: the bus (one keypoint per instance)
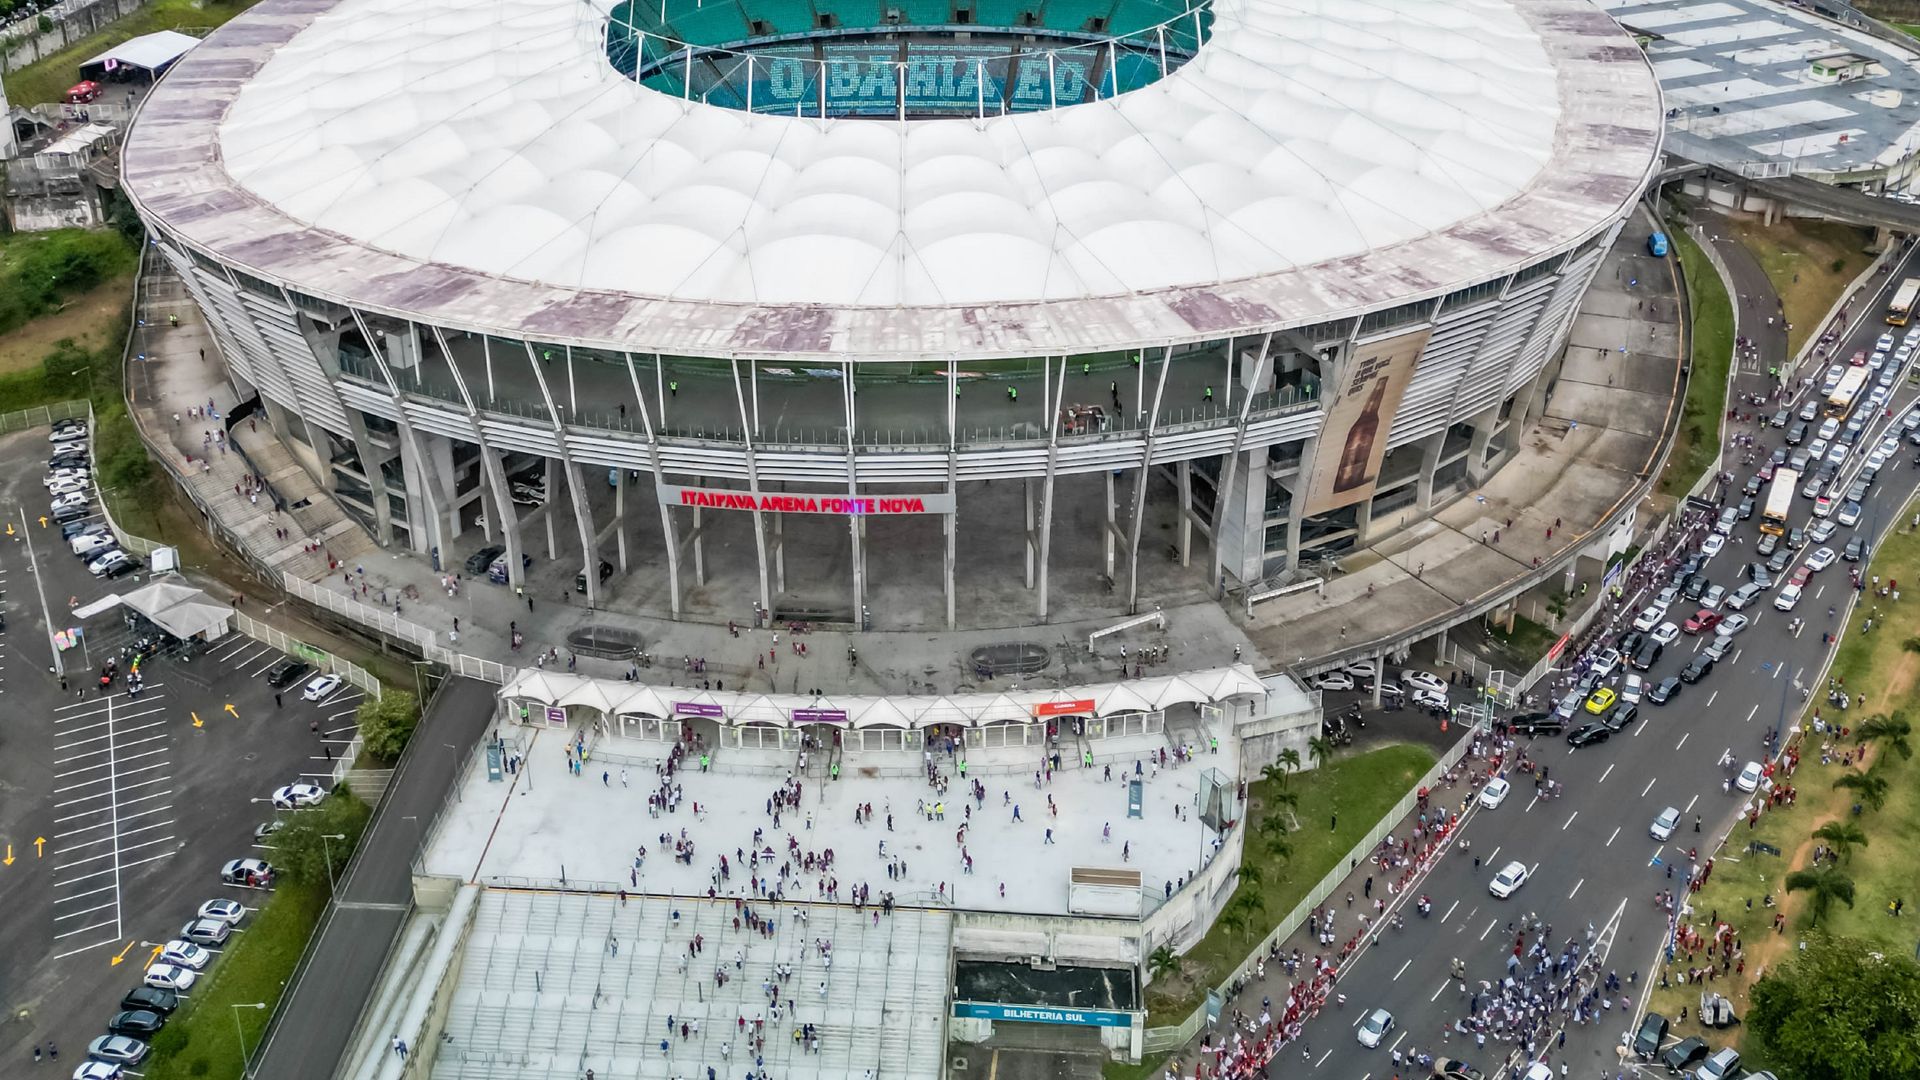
(1902, 306)
(1840, 402)
(1773, 519)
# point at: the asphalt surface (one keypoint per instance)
(1591, 857)
(138, 806)
(319, 1012)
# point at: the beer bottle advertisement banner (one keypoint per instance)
(1354, 441)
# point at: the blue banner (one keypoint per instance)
(1041, 1014)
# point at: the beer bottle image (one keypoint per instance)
(1358, 453)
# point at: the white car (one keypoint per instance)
(1423, 680)
(1495, 793)
(1712, 545)
(1749, 777)
(1375, 1028)
(1663, 826)
(1788, 599)
(1889, 446)
(170, 977)
(1508, 880)
(68, 485)
(294, 796)
(76, 433)
(1605, 664)
(1362, 669)
(1649, 618)
(100, 1070)
(320, 686)
(1633, 689)
(71, 498)
(1666, 633)
(1849, 514)
(1429, 699)
(227, 911)
(1732, 625)
(108, 561)
(1832, 378)
(88, 543)
(1333, 680)
(1820, 558)
(185, 954)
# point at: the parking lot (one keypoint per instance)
(118, 807)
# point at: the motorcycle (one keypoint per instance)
(1424, 905)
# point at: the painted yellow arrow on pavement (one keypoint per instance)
(8, 861)
(123, 954)
(233, 712)
(197, 722)
(39, 847)
(155, 954)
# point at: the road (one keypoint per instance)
(1590, 851)
(317, 1016)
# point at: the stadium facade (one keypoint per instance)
(1281, 277)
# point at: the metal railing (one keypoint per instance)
(1164, 1039)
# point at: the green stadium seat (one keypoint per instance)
(924, 12)
(1001, 12)
(1074, 14)
(711, 24)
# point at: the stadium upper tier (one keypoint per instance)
(483, 166)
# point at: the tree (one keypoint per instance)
(1911, 644)
(1842, 836)
(1840, 1009)
(299, 850)
(387, 722)
(1823, 886)
(1290, 758)
(1274, 774)
(1277, 847)
(1320, 749)
(1162, 961)
(1871, 789)
(1892, 730)
(1250, 875)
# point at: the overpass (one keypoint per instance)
(1840, 203)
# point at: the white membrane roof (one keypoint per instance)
(479, 164)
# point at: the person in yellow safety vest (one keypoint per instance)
(1086, 759)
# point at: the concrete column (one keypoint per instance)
(1030, 547)
(1429, 461)
(856, 531)
(620, 516)
(668, 536)
(1362, 522)
(405, 346)
(1107, 533)
(372, 456)
(553, 476)
(504, 514)
(1140, 482)
(1484, 427)
(582, 514)
(1183, 479)
(741, 398)
(1237, 528)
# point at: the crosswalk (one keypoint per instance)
(113, 809)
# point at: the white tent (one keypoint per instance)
(151, 54)
(179, 609)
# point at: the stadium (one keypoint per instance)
(757, 299)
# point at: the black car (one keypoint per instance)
(1697, 668)
(71, 513)
(1629, 642)
(478, 562)
(1781, 416)
(1855, 550)
(1664, 691)
(1780, 561)
(1696, 584)
(139, 1023)
(286, 673)
(1753, 485)
(1623, 714)
(1653, 1032)
(1796, 538)
(151, 999)
(74, 528)
(1797, 434)
(1684, 1053)
(1537, 723)
(1648, 655)
(1589, 733)
(580, 579)
(1746, 509)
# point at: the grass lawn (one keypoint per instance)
(1809, 262)
(1698, 439)
(1878, 665)
(1358, 790)
(1529, 640)
(46, 80)
(94, 319)
(202, 1040)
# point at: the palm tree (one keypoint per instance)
(1276, 845)
(1827, 884)
(1911, 644)
(1162, 961)
(1274, 774)
(1250, 875)
(1291, 759)
(1842, 836)
(1320, 749)
(1871, 789)
(1233, 919)
(1893, 730)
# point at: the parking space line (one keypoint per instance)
(84, 929)
(85, 911)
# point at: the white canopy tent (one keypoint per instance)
(141, 59)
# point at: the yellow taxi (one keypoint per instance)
(1601, 700)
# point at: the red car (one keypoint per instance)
(1702, 620)
(1801, 574)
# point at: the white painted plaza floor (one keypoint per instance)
(546, 824)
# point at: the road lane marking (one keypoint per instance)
(1489, 929)
(1604, 775)
(1683, 740)
(1450, 908)
(1711, 698)
(1616, 833)
(1750, 712)
(1649, 787)
(1577, 884)
(1569, 823)
(1403, 969)
(1441, 990)
(1690, 803)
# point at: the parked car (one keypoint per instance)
(321, 686)
(136, 1022)
(1652, 1033)
(1588, 734)
(286, 672)
(117, 1050)
(1697, 668)
(1749, 777)
(1495, 793)
(151, 998)
(253, 873)
(1667, 689)
(207, 931)
(1684, 1053)
(1375, 1028)
(170, 977)
(1722, 1064)
(478, 562)
(297, 796)
(227, 911)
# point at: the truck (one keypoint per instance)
(1901, 307)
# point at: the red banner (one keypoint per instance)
(1064, 708)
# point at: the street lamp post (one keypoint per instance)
(246, 1068)
(326, 852)
(88, 370)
